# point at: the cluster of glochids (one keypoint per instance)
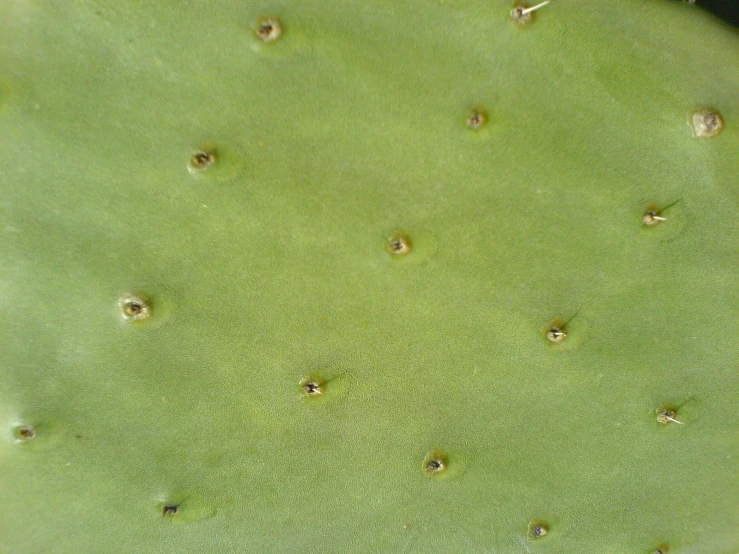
(523, 15)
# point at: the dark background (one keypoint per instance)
(728, 10)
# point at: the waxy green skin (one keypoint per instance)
(272, 266)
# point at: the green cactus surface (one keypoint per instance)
(368, 276)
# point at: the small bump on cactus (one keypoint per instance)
(25, 433)
(134, 307)
(435, 463)
(706, 123)
(538, 529)
(476, 119)
(268, 29)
